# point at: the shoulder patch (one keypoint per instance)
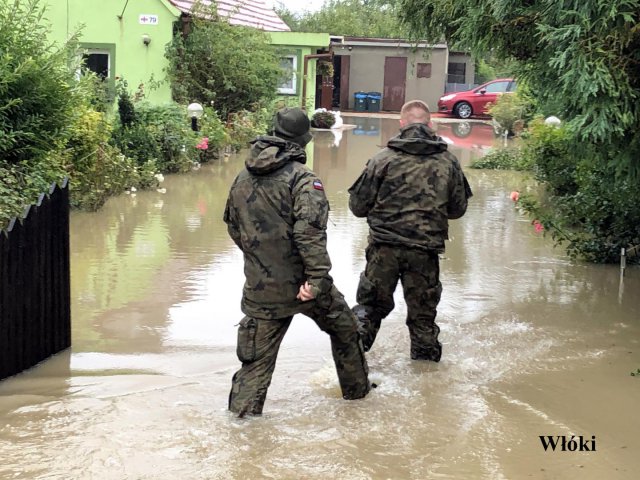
(317, 184)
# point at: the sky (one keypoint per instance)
(298, 6)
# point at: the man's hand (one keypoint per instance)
(305, 294)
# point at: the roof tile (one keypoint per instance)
(249, 13)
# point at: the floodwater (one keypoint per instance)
(534, 345)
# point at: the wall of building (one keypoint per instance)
(470, 69)
(367, 71)
(300, 44)
(132, 60)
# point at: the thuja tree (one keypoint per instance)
(581, 59)
(37, 102)
(581, 56)
(233, 68)
(36, 84)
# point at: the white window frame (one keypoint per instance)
(293, 90)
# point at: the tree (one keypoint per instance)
(357, 18)
(581, 58)
(37, 89)
(233, 68)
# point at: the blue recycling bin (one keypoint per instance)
(362, 125)
(373, 101)
(360, 101)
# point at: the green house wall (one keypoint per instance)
(101, 28)
(114, 26)
(300, 44)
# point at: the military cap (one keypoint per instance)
(292, 124)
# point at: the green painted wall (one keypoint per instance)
(138, 63)
(300, 44)
(102, 29)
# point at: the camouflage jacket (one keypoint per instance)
(409, 191)
(277, 213)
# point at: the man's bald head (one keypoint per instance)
(414, 111)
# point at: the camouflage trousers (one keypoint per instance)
(419, 273)
(259, 341)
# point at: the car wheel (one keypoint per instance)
(461, 129)
(463, 110)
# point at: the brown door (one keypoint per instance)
(326, 95)
(345, 66)
(395, 83)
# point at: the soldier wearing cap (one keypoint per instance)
(277, 213)
(408, 192)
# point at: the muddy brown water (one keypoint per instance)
(534, 345)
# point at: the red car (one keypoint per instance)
(475, 101)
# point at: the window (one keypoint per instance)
(457, 72)
(288, 81)
(424, 70)
(497, 87)
(100, 58)
(98, 62)
(512, 87)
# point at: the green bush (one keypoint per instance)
(510, 112)
(170, 129)
(212, 128)
(245, 126)
(126, 109)
(484, 71)
(22, 183)
(603, 213)
(503, 159)
(154, 134)
(37, 95)
(208, 65)
(585, 205)
(548, 150)
(99, 95)
(97, 169)
(596, 221)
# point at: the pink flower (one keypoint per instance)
(538, 227)
(204, 144)
(515, 195)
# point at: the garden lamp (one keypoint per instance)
(195, 111)
(552, 121)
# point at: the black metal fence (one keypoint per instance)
(35, 309)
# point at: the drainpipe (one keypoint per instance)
(328, 56)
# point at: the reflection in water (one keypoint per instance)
(533, 345)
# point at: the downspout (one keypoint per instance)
(306, 70)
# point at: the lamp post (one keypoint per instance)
(195, 111)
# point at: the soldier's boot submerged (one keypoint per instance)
(348, 355)
(243, 399)
(424, 342)
(368, 325)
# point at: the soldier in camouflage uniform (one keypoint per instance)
(407, 192)
(277, 213)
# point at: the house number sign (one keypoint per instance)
(148, 19)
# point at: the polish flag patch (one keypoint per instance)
(317, 184)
